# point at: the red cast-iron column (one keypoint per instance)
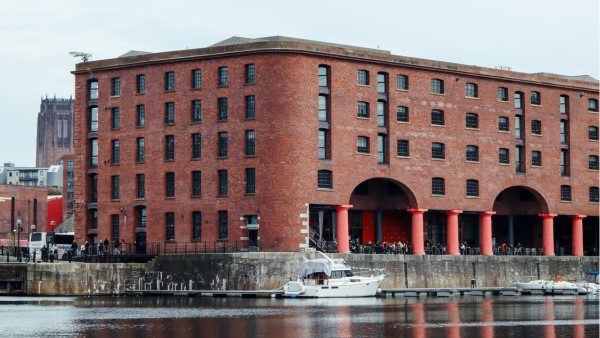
(578, 235)
(452, 232)
(418, 247)
(342, 238)
(486, 233)
(548, 234)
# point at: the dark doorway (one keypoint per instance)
(140, 242)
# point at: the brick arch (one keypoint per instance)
(382, 193)
(520, 199)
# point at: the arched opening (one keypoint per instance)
(517, 220)
(379, 212)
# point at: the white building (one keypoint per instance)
(30, 176)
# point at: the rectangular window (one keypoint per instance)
(593, 133)
(223, 81)
(323, 144)
(381, 114)
(196, 111)
(250, 107)
(536, 158)
(472, 188)
(438, 186)
(323, 108)
(502, 94)
(170, 184)
(519, 163)
(170, 226)
(503, 124)
(223, 183)
(403, 150)
(382, 83)
(223, 107)
(116, 117)
(518, 125)
(536, 127)
(472, 153)
(115, 86)
(169, 147)
(250, 181)
(196, 78)
(438, 150)
(503, 156)
(93, 118)
(169, 80)
(325, 179)
(140, 120)
(536, 98)
(564, 162)
(170, 113)
(196, 183)
(471, 90)
(222, 144)
(518, 100)
(437, 86)
(196, 146)
(363, 145)
(141, 150)
(594, 195)
(565, 193)
(564, 104)
(472, 121)
(323, 76)
(437, 117)
(116, 152)
(402, 82)
(93, 86)
(382, 147)
(140, 186)
(363, 109)
(593, 162)
(592, 105)
(196, 225)
(250, 143)
(402, 114)
(363, 77)
(563, 131)
(114, 192)
(140, 84)
(223, 226)
(249, 73)
(114, 220)
(94, 152)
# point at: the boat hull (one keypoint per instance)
(366, 287)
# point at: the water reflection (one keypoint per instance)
(279, 318)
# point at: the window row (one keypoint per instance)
(196, 218)
(438, 187)
(169, 113)
(169, 81)
(195, 184)
(437, 87)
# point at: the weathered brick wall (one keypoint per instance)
(286, 123)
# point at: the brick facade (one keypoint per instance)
(286, 91)
(29, 206)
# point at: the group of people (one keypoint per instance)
(102, 248)
(379, 247)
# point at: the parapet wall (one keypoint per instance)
(265, 271)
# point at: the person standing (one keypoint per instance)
(106, 243)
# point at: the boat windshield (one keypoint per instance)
(341, 273)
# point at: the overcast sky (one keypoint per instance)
(555, 36)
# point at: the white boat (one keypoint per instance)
(561, 288)
(531, 287)
(330, 278)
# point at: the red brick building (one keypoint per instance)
(68, 200)
(25, 204)
(262, 140)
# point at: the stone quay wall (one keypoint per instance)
(267, 271)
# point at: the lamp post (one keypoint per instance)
(15, 237)
(19, 230)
